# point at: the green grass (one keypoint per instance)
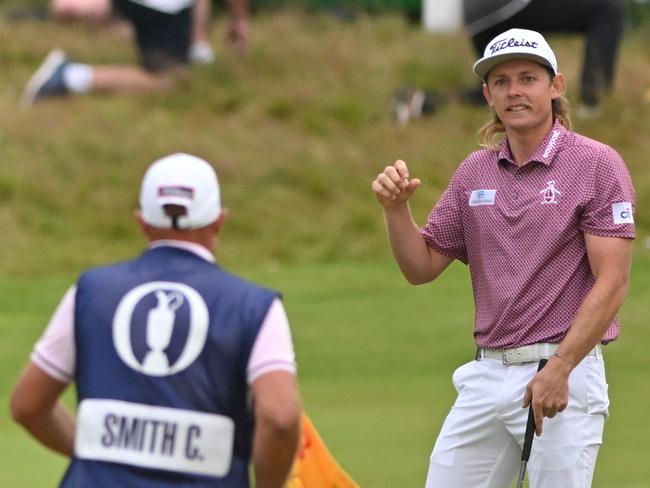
(375, 358)
(297, 132)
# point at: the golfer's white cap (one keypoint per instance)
(185, 180)
(515, 44)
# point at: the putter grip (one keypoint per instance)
(530, 424)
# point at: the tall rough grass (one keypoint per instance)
(297, 131)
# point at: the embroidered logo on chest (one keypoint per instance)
(550, 194)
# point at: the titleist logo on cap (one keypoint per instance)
(501, 44)
(176, 191)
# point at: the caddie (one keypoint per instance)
(544, 218)
(185, 373)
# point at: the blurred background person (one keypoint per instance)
(201, 51)
(90, 10)
(102, 12)
(95, 13)
(601, 22)
(164, 32)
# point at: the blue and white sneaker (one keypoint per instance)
(48, 79)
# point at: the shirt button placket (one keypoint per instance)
(517, 177)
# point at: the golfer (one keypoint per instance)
(184, 372)
(544, 219)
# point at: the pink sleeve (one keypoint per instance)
(443, 230)
(54, 352)
(611, 195)
(273, 348)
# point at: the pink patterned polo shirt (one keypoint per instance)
(520, 230)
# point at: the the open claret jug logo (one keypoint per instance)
(160, 327)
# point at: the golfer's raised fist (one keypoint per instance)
(392, 186)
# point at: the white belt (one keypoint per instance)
(526, 354)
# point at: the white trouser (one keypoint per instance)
(480, 442)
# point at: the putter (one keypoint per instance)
(528, 437)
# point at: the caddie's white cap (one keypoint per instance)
(180, 179)
(515, 44)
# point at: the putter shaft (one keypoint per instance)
(528, 436)
(522, 474)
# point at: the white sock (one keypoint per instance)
(201, 53)
(78, 78)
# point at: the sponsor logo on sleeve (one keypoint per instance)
(622, 213)
(482, 197)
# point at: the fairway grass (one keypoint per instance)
(296, 131)
(375, 358)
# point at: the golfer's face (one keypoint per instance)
(521, 91)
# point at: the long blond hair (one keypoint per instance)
(490, 132)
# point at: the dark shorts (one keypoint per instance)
(163, 39)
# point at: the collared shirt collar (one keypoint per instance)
(546, 150)
(192, 247)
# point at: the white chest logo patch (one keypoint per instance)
(550, 194)
(622, 213)
(482, 197)
(159, 326)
